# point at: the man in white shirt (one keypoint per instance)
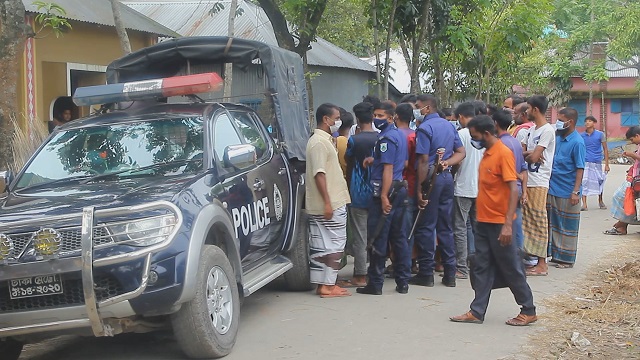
(465, 192)
(541, 143)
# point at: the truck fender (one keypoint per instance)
(211, 217)
(298, 206)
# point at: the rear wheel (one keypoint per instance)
(207, 326)
(298, 278)
(10, 349)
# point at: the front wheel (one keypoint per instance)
(10, 349)
(206, 327)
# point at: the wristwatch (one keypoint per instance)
(576, 193)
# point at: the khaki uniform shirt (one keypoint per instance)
(322, 157)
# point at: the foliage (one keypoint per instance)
(26, 142)
(219, 6)
(52, 18)
(345, 24)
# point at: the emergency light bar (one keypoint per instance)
(147, 89)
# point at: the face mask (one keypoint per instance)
(417, 115)
(478, 144)
(380, 123)
(413, 125)
(560, 126)
(333, 128)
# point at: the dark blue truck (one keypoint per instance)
(163, 213)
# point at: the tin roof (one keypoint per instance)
(615, 70)
(194, 18)
(99, 12)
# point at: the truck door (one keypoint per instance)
(257, 190)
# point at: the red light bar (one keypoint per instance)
(148, 89)
(191, 84)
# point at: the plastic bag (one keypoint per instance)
(629, 202)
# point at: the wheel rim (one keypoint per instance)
(219, 300)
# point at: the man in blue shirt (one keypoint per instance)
(359, 147)
(435, 133)
(563, 200)
(385, 223)
(503, 121)
(593, 178)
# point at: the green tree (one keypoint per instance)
(345, 24)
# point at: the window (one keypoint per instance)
(250, 134)
(628, 109)
(224, 134)
(581, 107)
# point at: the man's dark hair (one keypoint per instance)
(428, 99)
(540, 102)
(480, 107)
(465, 109)
(592, 118)
(633, 131)
(371, 99)
(347, 120)
(409, 98)
(447, 112)
(515, 100)
(502, 118)
(363, 112)
(323, 110)
(387, 107)
(491, 109)
(482, 123)
(404, 112)
(569, 113)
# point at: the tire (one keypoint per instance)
(10, 349)
(193, 325)
(298, 278)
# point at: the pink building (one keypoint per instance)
(615, 102)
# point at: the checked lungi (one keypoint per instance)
(564, 222)
(328, 238)
(593, 179)
(535, 222)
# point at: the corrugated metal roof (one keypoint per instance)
(99, 12)
(615, 70)
(192, 18)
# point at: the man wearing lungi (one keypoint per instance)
(496, 253)
(563, 201)
(541, 143)
(326, 200)
(434, 133)
(593, 178)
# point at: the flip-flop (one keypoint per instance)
(335, 293)
(613, 231)
(537, 273)
(584, 209)
(563, 265)
(347, 283)
(603, 207)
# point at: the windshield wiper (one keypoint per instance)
(53, 182)
(136, 170)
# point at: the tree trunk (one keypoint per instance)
(228, 67)
(307, 76)
(279, 24)
(120, 28)
(374, 17)
(12, 36)
(417, 47)
(387, 61)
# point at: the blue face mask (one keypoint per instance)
(560, 126)
(380, 123)
(478, 144)
(417, 115)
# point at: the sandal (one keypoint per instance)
(563, 265)
(603, 207)
(522, 320)
(536, 273)
(614, 231)
(584, 209)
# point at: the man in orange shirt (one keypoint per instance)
(496, 254)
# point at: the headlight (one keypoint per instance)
(47, 242)
(6, 247)
(144, 232)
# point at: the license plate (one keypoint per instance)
(35, 286)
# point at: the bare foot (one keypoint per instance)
(330, 291)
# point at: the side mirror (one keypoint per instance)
(240, 156)
(6, 177)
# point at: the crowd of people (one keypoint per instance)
(489, 194)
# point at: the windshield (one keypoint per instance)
(116, 148)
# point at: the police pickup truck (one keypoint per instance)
(164, 213)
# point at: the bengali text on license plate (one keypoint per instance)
(35, 286)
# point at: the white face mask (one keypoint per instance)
(417, 115)
(335, 127)
(560, 125)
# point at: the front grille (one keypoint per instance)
(106, 286)
(71, 239)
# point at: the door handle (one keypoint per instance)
(282, 171)
(258, 184)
